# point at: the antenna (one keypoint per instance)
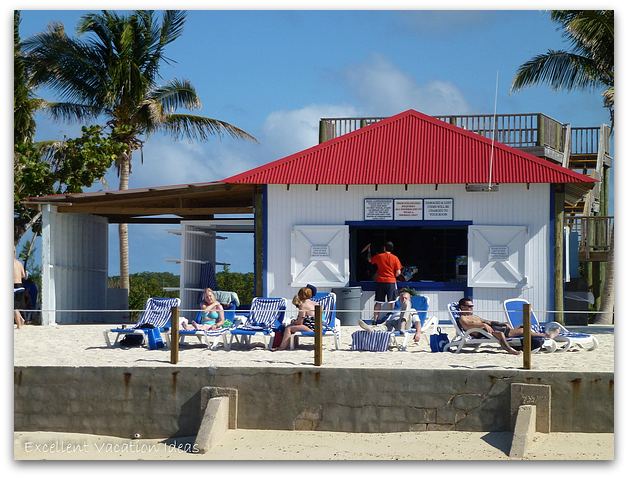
(490, 163)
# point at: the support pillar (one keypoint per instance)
(259, 241)
(559, 273)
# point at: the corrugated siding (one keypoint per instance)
(79, 265)
(409, 148)
(512, 205)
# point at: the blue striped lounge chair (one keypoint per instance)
(464, 338)
(266, 315)
(156, 313)
(331, 324)
(565, 339)
(375, 341)
(207, 336)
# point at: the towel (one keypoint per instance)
(226, 297)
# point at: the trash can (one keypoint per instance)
(348, 304)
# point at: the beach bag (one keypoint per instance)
(438, 341)
(132, 340)
(537, 343)
(277, 338)
(376, 341)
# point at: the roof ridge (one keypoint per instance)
(389, 141)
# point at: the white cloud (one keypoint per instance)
(386, 90)
(289, 131)
(380, 87)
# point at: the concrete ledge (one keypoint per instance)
(525, 427)
(214, 424)
(166, 401)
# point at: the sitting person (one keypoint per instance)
(212, 314)
(305, 318)
(400, 319)
(499, 330)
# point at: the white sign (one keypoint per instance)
(498, 253)
(319, 251)
(378, 209)
(408, 209)
(438, 209)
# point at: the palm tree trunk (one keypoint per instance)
(123, 229)
(608, 296)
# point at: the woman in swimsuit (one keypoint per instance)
(305, 318)
(212, 313)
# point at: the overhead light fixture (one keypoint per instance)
(481, 188)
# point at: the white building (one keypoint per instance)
(467, 216)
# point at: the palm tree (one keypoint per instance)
(113, 74)
(589, 64)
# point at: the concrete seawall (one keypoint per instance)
(160, 402)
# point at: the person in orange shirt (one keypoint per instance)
(388, 268)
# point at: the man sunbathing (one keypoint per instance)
(499, 330)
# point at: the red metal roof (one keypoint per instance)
(408, 148)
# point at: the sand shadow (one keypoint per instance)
(499, 440)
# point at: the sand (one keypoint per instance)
(308, 445)
(84, 345)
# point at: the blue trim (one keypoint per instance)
(425, 286)
(370, 285)
(265, 238)
(398, 224)
(552, 241)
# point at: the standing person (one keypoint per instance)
(388, 268)
(19, 274)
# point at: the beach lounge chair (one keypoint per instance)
(464, 338)
(156, 313)
(331, 324)
(266, 315)
(207, 336)
(565, 339)
(420, 306)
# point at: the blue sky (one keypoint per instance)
(275, 73)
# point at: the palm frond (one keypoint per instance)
(200, 128)
(176, 94)
(559, 69)
(171, 26)
(72, 111)
(71, 67)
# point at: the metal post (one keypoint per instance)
(527, 338)
(318, 335)
(174, 335)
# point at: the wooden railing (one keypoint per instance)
(594, 232)
(585, 140)
(516, 130)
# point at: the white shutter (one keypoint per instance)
(497, 256)
(320, 256)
